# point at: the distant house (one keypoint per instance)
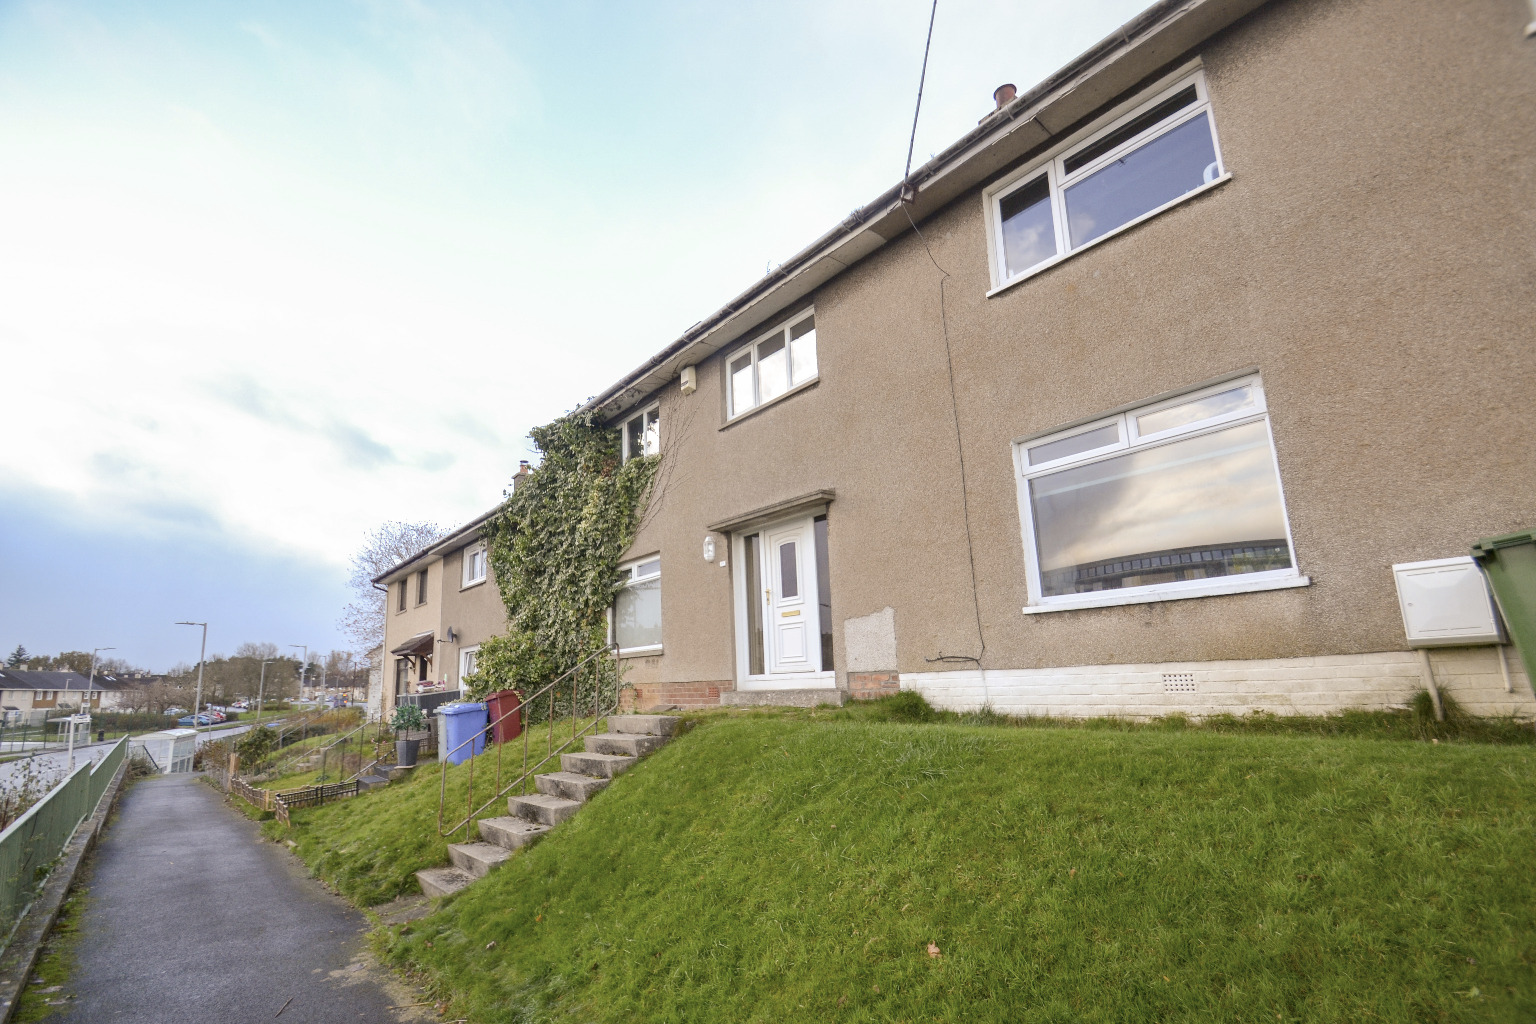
(441, 605)
(1126, 403)
(28, 691)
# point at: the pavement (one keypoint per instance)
(191, 918)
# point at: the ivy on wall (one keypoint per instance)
(555, 547)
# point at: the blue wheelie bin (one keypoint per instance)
(461, 723)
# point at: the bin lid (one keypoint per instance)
(460, 709)
(1483, 550)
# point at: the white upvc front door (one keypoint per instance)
(778, 608)
(790, 612)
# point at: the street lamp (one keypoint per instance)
(261, 691)
(201, 656)
(92, 681)
(303, 667)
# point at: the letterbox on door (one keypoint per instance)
(1446, 602)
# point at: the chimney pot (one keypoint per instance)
(1004, 95)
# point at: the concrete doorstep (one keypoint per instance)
(26, 943)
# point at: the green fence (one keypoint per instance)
(31, 843)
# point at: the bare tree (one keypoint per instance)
(384, 547)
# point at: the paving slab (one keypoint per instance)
(191, 918)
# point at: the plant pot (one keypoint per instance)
(405, 752)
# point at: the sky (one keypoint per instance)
(274, 272)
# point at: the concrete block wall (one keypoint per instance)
(1285, 686)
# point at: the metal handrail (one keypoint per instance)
(599, 712)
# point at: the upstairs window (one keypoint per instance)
(1138, 164)
(641, 435)
(421, 587)
(1176, 498)
(405, 583)
(474, 565)
(782, 359)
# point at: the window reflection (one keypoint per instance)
(1029, 227)
(1203, 507)
(1142, 180)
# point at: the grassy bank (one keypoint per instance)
(369, 847)
(797, 867)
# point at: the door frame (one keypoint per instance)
(826, 679)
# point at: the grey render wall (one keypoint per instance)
(1371, 257)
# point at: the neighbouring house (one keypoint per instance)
(441, 605)
(22, 690)
(1126, 403)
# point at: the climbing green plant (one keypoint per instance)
(554, 551)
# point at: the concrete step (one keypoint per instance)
(437, 882)
(604, 766)
(783, 698)
(624, 743)
(476, 859)
(649, 725)
(510, 833)
(569, 785)
(546, 810)
(371, 781)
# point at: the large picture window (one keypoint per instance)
(1177, 498)
(1144, 160)
(637, 609)
(782, 359)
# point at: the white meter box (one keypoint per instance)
(1446, 602)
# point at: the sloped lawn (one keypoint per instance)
(797, 868)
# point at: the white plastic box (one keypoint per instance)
(1446, 602)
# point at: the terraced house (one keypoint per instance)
(1150, 394)
(440, 605)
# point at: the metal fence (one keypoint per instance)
(31, 843)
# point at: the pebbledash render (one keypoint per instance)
(1130, 401)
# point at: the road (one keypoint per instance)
(190, 918)
(55, 760)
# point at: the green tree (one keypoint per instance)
(18, 657)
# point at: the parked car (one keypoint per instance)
(202, 719)
(242, 705)
(218, 716)
(176, 711)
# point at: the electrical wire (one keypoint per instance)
(954, 408)
(921, 79)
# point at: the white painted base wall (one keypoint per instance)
(1284, 686)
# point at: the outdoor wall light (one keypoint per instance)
(709, 547)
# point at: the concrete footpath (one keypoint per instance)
(190, 918)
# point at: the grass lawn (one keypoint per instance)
(370, 846)
(796, 866)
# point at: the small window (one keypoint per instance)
(1139, 163)
(1158, 500)
(783, 359)
(402, 674)
(474, 565)
(400, 607)
(637, 609)
(641, 434)
(421, 587)
(469, 661)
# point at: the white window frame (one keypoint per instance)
(1129, 440)
(466, 580)
(1054, 166)
(648, 445)
(465, 653)
(782, 328)
(628, 570)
